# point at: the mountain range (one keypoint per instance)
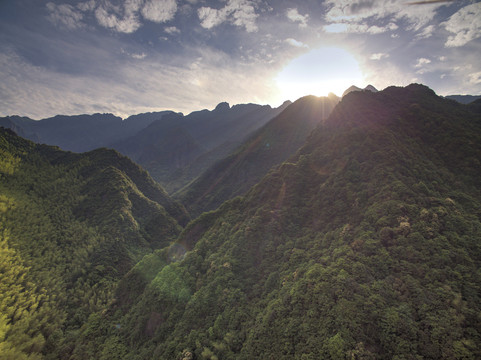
(464, 99)
(269, 146)
(355, 236)
(174, 148)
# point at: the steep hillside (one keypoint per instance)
(269, 146)
(164, 148)
(364, 245)
(176, 148)
(71, 225)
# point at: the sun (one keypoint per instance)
(318, 72)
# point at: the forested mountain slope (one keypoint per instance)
(364, 245)
(71, 225)
(269, 146)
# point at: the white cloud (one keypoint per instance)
(123, 17)
(172, 30)
(153, 84)
(378, 56)
(465, 24)
(475, 78)
(159, 11)
(363, 12)
(294, 16)
(420, 65)
(65, 15)
(139, 56)
(360, 28)
(132, 6)
(87, 5)
(237, 12)
(336, 28)
(421, 62)
(296, 43)
(211, 17)
(427, 32)
(128, 24)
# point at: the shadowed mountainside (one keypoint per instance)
(365, 244)
(269, 146)
(176, 149)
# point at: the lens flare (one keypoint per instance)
(318, 72)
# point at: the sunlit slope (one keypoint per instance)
(366, 245)
(269, 146)
(70, 227)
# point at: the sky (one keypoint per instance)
(132, 56)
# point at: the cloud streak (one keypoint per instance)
(378, 56)
(360, 14)
(296, 43)
(65, 15)
(241, 13)
(465, 25)
(152, 84)
(159, 11)
(125, 17)
(294, 16)
(129, 56)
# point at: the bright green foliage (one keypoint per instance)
(70, 227)
(365, 245)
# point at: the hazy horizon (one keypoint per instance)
(137, 56)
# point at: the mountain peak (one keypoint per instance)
(222, 106)
(351, 89)
(355, 88)
(370, 88)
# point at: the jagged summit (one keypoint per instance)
(355, 88)
(222, 106)
(370, 88)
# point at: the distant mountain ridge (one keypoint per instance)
(269, 146)
(176, 148)
(80, 133)
(464, 99)
(201, 138)
(355, 88)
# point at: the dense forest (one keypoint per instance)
(362, 245)
(71, 225)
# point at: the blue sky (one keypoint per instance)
(132, 56)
